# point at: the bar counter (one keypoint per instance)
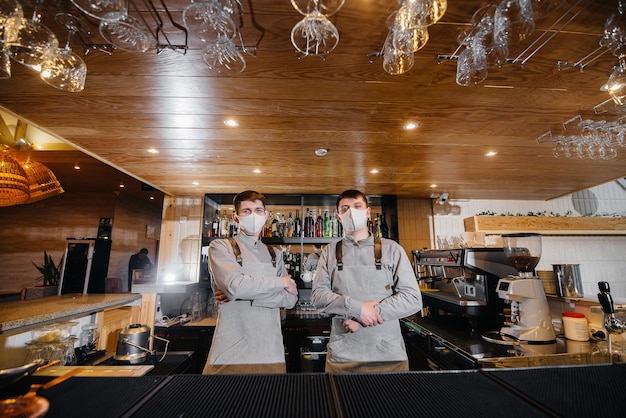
(566, 391)
(450, 338)
(18, 315)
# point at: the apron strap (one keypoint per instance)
(377, 254)
(237, 251)
(270, 249)
(339, 255)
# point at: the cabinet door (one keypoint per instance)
(110, 323)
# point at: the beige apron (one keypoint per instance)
(371, 349)
(247, 339)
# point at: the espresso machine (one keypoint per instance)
(462, 282)
(530, 319)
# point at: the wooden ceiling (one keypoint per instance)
(287, 107)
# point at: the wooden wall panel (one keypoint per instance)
(414, 224)
(27, 230)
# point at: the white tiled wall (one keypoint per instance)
(601, 258)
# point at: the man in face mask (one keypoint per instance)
(251, 283)
(366, 285)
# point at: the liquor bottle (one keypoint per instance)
(268, 225)
(327, 228)
(224, 225)
(319, 224)
(297, 225)
(289, 226)
(378, 233)
(309, 225)
(384, 227)
(215, 224)
(233, 226)
(334, 223)
(274, 224)
(282, 226)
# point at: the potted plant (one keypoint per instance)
(50, 272)
(50, 275)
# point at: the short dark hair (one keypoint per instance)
(143, 251)
(249, 196)
(352, 194)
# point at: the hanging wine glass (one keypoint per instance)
(65, 70)
(11, 14)
(406, 37)
(424, 12)
(102, 9)
(5, 63)
(211, 21)
(31, 43)
(314, 35)
(497, 48)
(615, 32)
(472, 67)
(223, 58)
(513, 21)
(126, 32)
(324, 7)
(617, 85)
(395, 61)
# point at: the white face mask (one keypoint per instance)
(353, 219)
(252, 224)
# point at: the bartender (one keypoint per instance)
(367, 285)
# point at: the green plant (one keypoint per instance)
(50, 272)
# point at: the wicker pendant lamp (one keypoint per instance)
(41, 181)
(14, 185)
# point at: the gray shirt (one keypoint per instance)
(406, 299)
(231, 278)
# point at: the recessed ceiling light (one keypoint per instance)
(410, 126)
(374, 171)
(491, 154)
(76, 166)
(320, 152)
(153, 150)
(433, 186)
(195, 183)
(122, 185)
(151, 197)
(231, 123)
(256, 170)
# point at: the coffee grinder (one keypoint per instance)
(530, 313)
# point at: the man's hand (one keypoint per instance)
(369, 315)
(351, 325)
(290, 285)
(221, 297)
